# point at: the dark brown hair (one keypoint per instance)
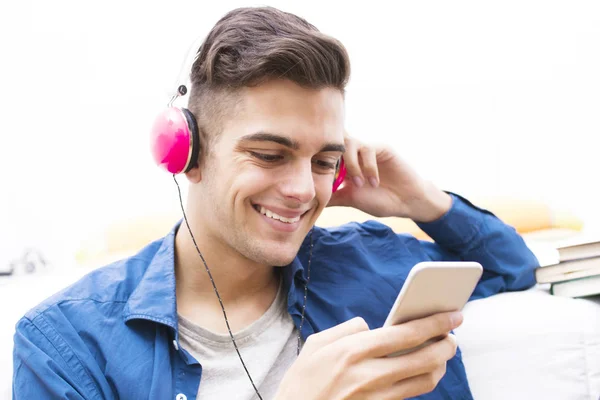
(250, 46)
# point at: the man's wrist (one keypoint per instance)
(434, 205)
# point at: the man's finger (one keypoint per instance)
(342, 196)
(389, 340)
(368, 160)
(420, 362)
(328, 336)
(352, 162)
(411, 387)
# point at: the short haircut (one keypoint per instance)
(250, 46)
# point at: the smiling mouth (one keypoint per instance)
(270, 214)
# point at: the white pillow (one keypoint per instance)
(532, 345)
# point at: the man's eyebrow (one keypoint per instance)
(271, 137)
(333, 147)
(287, 142)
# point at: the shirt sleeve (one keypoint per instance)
(470, 233)
(44, 367)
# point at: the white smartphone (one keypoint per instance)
(434, 287)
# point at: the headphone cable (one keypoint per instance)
(221, 301)
(215, 288)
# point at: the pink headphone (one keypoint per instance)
(175, 141)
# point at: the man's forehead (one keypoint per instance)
(290, 115)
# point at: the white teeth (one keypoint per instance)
(272, 215)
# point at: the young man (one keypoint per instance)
(268, 96)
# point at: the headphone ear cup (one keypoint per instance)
(173, 139)
(340, 174)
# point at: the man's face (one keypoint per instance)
(270, 173)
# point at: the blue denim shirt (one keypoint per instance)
(114, 333)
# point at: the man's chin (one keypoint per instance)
(277, 250)
(279, 254)
(281, 260)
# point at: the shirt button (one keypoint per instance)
(181, 396)
(177, 349)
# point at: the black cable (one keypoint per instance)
(221, 301)
(215, 287)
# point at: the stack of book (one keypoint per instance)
(577, 272)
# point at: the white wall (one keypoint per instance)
(484, 98)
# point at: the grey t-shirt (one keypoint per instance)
(268, 347)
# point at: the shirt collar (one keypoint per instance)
(154, 298)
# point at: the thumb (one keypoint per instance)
(328, 336)
(342, 197)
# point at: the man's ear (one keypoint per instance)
(194, 175)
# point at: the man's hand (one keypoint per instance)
(349, 361)
(383, 185)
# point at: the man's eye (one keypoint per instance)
(324, 164)
(267, 157)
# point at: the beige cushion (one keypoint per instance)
(128, 236)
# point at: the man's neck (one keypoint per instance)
(246, 289)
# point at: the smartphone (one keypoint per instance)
(434, 287)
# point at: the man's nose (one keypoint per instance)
(299, 183)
